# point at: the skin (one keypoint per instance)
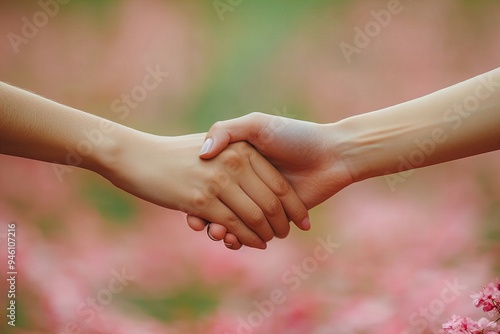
(321, 159)
(240, 190)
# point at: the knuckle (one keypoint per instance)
(280, 186)
(232, 161)
(218, 125)
(212, 188)
(273, 207)
(200, 201)
(241, 146)
(238, 228)
(233, 223)
(230, 154)
(284, 233)
(217, 180)
(256, 217)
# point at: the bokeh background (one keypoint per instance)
(398, 251)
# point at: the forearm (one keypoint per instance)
(38, 128)
(455, 122)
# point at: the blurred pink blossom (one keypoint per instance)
(489, 297)
(463, 325)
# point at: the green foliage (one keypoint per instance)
(50, 225)
(246, 39)
(113, 204)
(23, 302)
(490, 227)
(101, 9)
(192, 302)
(98, 6)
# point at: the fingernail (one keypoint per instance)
(228, 245)
(306, 224)
(207, 145)
(210, 234)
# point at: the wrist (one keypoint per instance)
(110, 143)
(371, 144)
(339, 149)
(354, 149)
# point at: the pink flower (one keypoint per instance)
(459, 325)
(489, 297)
(487, 326)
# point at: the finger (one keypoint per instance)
(248, 211)
(245, 128)
(269, 204)
(231, 242)
(216, 231)
(220, 214)
(196, 224)
(277, 183)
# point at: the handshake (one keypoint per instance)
(247, 178)
(273, 170)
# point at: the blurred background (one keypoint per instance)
(93, 259)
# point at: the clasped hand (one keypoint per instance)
(239, 190)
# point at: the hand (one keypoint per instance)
(239, 187)
(240, 190)
(305, 153)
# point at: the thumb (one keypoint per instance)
(222, 133)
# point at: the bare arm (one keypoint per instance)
(456, 122)
(37, 128)
(321, 159)
(239, 188)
